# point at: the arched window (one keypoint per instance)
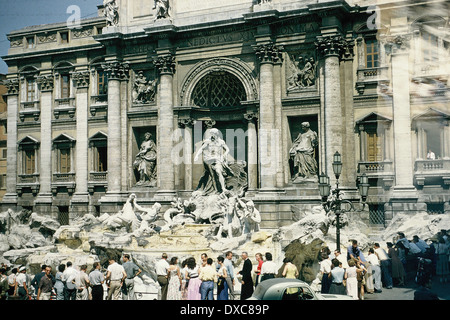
(217, 90)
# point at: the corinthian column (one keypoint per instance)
(81, 196)
(116, 71)
(10, 198)
(330, 49)
(187, 124)
(402, 115)
(252, 151)
(166, 176)
(44, 199)
(268, 140)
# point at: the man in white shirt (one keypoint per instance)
(376, 269)
(21, 284)
(268, 269)
(385, 264)
(341, 258)
(70, 277)
(115, 277)
(161, 271)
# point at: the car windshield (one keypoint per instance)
(297, 293)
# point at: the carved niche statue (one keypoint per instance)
(302, 153)
(303, 73)
(144, 90)
(145, 162)
(111, 12)
(162, 9)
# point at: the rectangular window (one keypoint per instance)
(64, 37)
(102, 83)
(4, 153)
(29, 161)
(64, 160)
(101, 159)
(3, 181)
(65, 86)
(374, 148)
(372, 53)
(30, 42)
(31, 89)
(430, 48)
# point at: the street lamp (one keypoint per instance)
(334, 204)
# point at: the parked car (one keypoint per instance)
(277, 289)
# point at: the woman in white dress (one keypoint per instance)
(174, 276)
(352, 281)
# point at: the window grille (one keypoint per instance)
(218, 89)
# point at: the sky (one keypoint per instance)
(17, 14)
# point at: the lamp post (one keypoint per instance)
(334, 204)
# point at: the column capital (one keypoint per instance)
(46, 82)
(397, 43)
(117, 70)
(335, 45)
(165, 64)
(250, 116)
(269, 53)
(81, 79)
(12, 86)
(186, 122)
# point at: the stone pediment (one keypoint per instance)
(373, 117)
(431, 114)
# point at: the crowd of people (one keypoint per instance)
(353, 274)
(71, 283)
(358, 274)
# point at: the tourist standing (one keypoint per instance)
(37, 279)
(59, 284)
(325, 269)
(385, 265)
(184, 280)
(376, 270)
(21, 284)
(269, 268)
(351, 280)
(132, 271)
(230, 273)
(161, 272)
(208, 276)
(247, 281)
(398, 272)
(45, 285)
(337, 278)
(69, 278)
(260, 261)
(174, 277)
(12, 282)
(3, 284)
(222, 285)
(96, 278)
(83, 290)
(442, 252)
(194, 281)
(290, 271)
(115, 277)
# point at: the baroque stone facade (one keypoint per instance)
(375, 88)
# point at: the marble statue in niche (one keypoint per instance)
(144, 91)
(215, 152)
(302, 153)
(145, 162)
